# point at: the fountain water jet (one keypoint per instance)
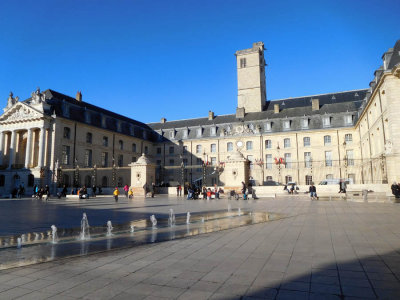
(109, 228)
(132, 228)
(188, 218)
(202, 219)
(85, 234)
(171, 218)
(153, 221)
(239, 212)
(229, 208)
(19, 242)
(54, 235)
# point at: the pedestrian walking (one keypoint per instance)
(126, 190)
(313, 191)
(116, 193)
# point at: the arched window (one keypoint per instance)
(88, 181)
(66, 180)
(31, 180)
(104, 181)
(121, 145)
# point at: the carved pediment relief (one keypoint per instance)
(20, 112)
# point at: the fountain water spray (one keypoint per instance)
(202, 219)
(85, 234)
(239, 212)
(229, 208)
(171, 218)
(188, 218)
(109, 228)
(54, 235)
(132, 228)
(153, 221)
(19, 242)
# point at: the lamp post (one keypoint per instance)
(114, 173)
(94, 175)
(204, 169)
(182, 172)
(279, 161)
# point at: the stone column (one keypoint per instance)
(1, 147)
(28, 149)
(42, 145)
(12, 148)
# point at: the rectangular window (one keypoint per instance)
(105, 141)
(268, 144)
(286, 143)
(88, 158)
(288, 179)
(288, 160)
(249, 145)
(198, 148)
(158, 150)
(185, 134)
(213, 131)
(243, 62)
(133, 159)
(286, 124)
(198, 132)
(229, 147)
(213, 148)
(352, 178)
(134, 148)
(268, 161)
(348, 120)
(348, 138)
(171, 134)
(67, 133)
(146, 150)
(328, 158)
(269, 178)
(89, 138)
(267, 127)
(307, 159)
(171, 150)
(171, 162)
(104, 159)
(65, 155)
(306, 141)
(308, 179)
(185, 162)
(327, 140)
(213, 161)
(304, 123)
(326, 121)
(350, 157)
(120, 160)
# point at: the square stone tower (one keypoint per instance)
(251, 78)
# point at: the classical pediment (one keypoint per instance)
(20, 112)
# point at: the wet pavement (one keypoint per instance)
(323, 250)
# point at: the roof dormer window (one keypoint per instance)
(326, 121)
(199, 132)
(213, 131)
(304, 123)
(267, 126)
(172, 134)
(348, 120)
(286, 124)
(185, 134)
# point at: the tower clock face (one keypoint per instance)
(239, 144)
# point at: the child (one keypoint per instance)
(130, 194)
(209, 194)
(116, 193)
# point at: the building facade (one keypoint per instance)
(55, 139)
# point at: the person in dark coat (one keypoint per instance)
(395, 190)
(313, 191)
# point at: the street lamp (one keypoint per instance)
(204, 168)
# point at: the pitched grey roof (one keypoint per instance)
(395, 59)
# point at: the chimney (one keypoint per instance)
(276, 108)
(78, 96)
(163, 120)
(240, 112)
(314, 104)
(210, 115)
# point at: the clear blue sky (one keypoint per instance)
(175, 59)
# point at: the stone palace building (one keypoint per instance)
(51, 138)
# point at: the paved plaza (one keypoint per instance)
(322, 250)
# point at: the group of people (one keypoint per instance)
(206, 193)
(292, 190)
(247, 190)
(39, 192)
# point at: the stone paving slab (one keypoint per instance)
(325, 250)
